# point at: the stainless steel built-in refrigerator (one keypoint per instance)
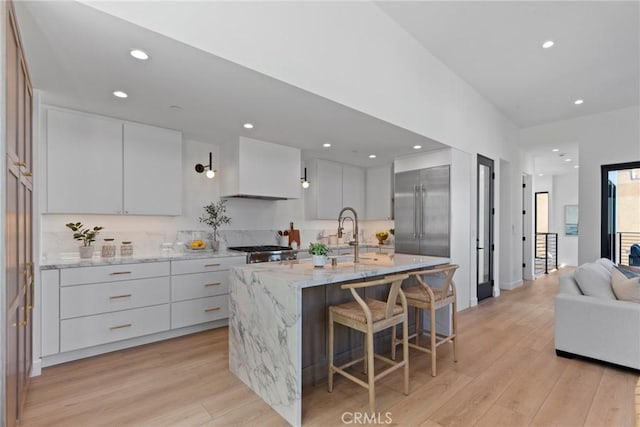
(422, 211)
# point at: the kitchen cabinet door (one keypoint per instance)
(329, 189)
(379, 193)
(152, 170)
(353, 189)
(84, 164)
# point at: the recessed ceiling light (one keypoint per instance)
(540, 174)
(578, 101)
(576, 166)
(248, 126)
(175, 107)
(417, 147)
(326, 145)
(372, 156)
(547, 44)
(567, 160)
(555, 150)
(139, 54)
(120, 94)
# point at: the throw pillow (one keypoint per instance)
(594, 280)
(625, 289)
(629, 272)
(605, 262)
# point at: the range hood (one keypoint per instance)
(254, 169)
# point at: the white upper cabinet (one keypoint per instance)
(333, 186)
(100, 165)
(84, 163)
(152, 182)
(379, 194)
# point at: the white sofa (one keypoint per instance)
(602, 329)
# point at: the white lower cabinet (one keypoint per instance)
(88, 331)
(201, 310)
(90, 310)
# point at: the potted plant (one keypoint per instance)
(86, 235)
(319, 253)
(214, 217)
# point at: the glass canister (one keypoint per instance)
(126, 249)
(108, 249)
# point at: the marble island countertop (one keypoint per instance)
(73, 260)
(302, 273)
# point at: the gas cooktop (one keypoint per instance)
(262, 248)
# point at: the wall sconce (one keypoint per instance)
(201, 168)
(305, 183)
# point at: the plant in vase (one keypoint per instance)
(319, 252)
(215, 217)
(86, 235)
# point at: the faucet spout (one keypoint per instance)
(354, 220)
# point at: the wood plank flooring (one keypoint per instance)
(507, 375)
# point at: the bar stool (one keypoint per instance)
(425, 297)
(370, 316)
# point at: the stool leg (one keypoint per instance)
(418, 326)
(432, 318)
(366, 352)
(371, 369)
(405, 351)
(454, 325)
(393, 342)
(330, 355)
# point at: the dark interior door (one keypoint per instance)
(484, 239)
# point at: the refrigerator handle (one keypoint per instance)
(421, 211)
(415, 211)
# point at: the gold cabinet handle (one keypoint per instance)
(30, 307)
(27, 174)
(120, 272)
(212, 265)
(120, 296)
(23, 323)
(126, 325)
(211, 284)
(21, 164)
(210, 309)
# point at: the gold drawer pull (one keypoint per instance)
(120, 272)
(212, 284)
(212, 265)
(210, 309)
(127, 325)
(23, 323)
(27, 174)
(120, 296)
(21, 164)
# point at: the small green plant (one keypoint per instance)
(318, 249)
(392, 231)
(214, 216)
(87, 235)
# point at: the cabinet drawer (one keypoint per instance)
(205, 264)
(112, 273)
(88, 331)
(190, 286)
(192, 312)
(86, 300)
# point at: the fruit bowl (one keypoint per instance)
(382, 236)
(196, 245)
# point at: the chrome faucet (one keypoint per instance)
(354, 220)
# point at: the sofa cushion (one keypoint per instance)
(625, 289)
(594, 280)
(629, 272)
(607, 263)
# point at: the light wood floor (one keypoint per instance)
(507, 374)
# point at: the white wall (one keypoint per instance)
(565, 192)
(605, 138)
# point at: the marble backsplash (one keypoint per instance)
(149, 243)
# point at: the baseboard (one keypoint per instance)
(36, 368)
(69, 356)
(511, 285)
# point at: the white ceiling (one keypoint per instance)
(78, 56)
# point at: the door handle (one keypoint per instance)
(421, 211)
(415, 211)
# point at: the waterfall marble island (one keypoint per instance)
(277, 321)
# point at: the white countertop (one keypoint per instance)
(302, 273)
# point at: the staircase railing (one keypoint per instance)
(546, 258)
(624, 240)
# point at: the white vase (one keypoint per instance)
(215, 245)
(86, 252)
(319, 260)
